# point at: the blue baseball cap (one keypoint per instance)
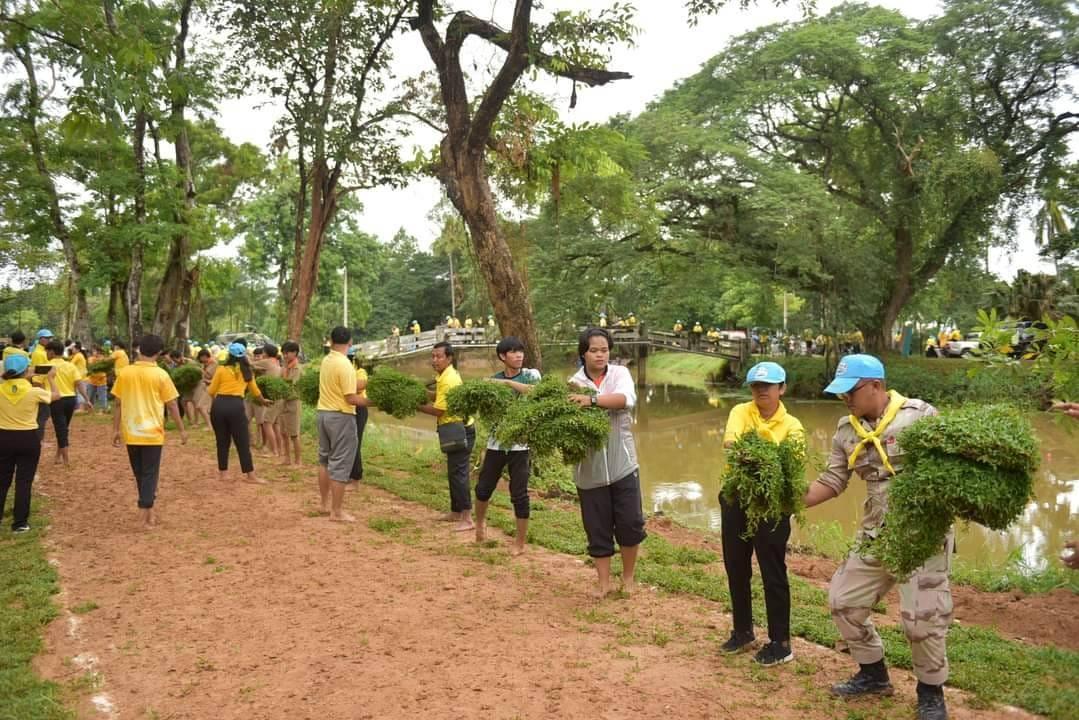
(766, 372)
(44, 333)
(237, 350)
(16, 363)
(853, 368)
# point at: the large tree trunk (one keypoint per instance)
(80, 321)
(306, 261)
(133, 293)
(878, 337)
(116, 302)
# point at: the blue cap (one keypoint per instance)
(237, 350)
(16, 363)
(766, 372)
(44, 333)
(853, 368)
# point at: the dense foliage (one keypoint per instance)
(185, 377)
(548, 422)
(101, 366)
(766, 479)
(480, 398)
(975, 464)
(395, 393)
(307, 387)
(275, 388)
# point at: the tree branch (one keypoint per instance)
(515, 63)
(4, 17)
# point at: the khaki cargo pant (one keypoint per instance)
(925, 605)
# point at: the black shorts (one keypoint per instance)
(613, 512)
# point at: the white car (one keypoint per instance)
(965, 347)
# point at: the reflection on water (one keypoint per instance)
(679, 434)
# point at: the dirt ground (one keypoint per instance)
(244, 603)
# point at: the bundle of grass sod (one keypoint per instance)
(306, 387)
(548, 422)
(766, 479)
(480, 398)
(976, 464)
(185, 377)
(395, 393)
(275, 388)
(101, 366)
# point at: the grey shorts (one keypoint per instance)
(337, 442)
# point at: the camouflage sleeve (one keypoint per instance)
(836, 475)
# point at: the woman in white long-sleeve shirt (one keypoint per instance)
(608, 481)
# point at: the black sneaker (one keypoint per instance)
(864, 683)
(931, 703)
(738, 642)
(21, 528)
(774, 653)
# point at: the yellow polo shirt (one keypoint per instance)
(121, 359)
(67, 375)
(446, 381)
(79, 361)
(361, 377)
(143, 390)
(745, 417)
(12, 350)
(18, 404)
(229, 380)
(336, 379)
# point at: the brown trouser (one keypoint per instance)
(925, 604)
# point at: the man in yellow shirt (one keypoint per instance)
(77, 357)
(337, 403)
(98, 383)
(40, 358)
(443, 361)
(67, 377)
(767, 415)
(143, 392)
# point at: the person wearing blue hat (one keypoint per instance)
(227, 413)
(766, 415)
(20, 443)
(866, 443)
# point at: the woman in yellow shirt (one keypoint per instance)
(361, 416)
(20, 444)
(67, 377)
(227, 414)
(767, 415)
(77, 357)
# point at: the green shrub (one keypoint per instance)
(765, 479)
(185, 377)
(275, 388)
(395, 393)
(307, 387)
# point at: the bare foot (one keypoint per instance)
(629, 587)
(601, 591)
(342, 517)
(223, 475)
(481, 532)
(464, 526)
(449, 517)
(517, 550)
(250, 478)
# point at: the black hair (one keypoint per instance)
(203, 353)
(68, 342)
(290, 346)
(340, 335)
(176, 354)
(18, 337)
(260, 350)
(509, 344)
(447, 349)
(244, 363)
(585, 339)
(241, 341)
(151, 345)
(119, 344)
(55, 347)
(270, 349)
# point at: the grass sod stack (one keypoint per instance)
(307, 387)
(275, 388)
(185, 377)
(480, 398)
(395, 393)
(976, 464)
(767, 480)
(548, 422)
(101, 366)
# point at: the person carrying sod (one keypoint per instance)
(866, 443)
(227, 414)
(766, 415)
(356, 475)
(20, 443)
(289, 420)
(511, 351)
(143, 392)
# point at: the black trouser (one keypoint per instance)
(457, 470)
(770, 544)
(146, 464)
(43, 412)
(229, 420)
(62, 411)
(19, 453)
(613, 512)
(494, 461)
(357, 464)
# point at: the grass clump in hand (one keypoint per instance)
(307, 387)
(275, 388)
(480, 398)
(767, 480)
(975, 464)
(548, 422)
(395, 393)
(101, 366)
(185, 377)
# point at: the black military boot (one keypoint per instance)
(931, 702)
(870, 680)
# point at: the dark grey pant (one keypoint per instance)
(357, 464)
(613, 512)
(19, 454)
(146, 464)
(770, 545)
(457, 470)
(43, 412)
(62, 411)
(229, 420)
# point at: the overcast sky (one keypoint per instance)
(666, 50)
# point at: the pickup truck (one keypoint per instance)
(965, 347)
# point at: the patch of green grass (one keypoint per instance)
(1041, 680)
(677, 368)
(388, 526)
(83, 608)
(825, 539)
(27, 584)
(1015, 574)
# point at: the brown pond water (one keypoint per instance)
(679, 433)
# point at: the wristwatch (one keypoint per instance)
(595, 401)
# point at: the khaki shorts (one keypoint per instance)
(290, 417)
(270, 413)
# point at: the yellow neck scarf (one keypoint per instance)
(15, 390)
(873, 436)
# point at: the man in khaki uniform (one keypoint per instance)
(866, 443)
(288, 421)
(266, 415)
